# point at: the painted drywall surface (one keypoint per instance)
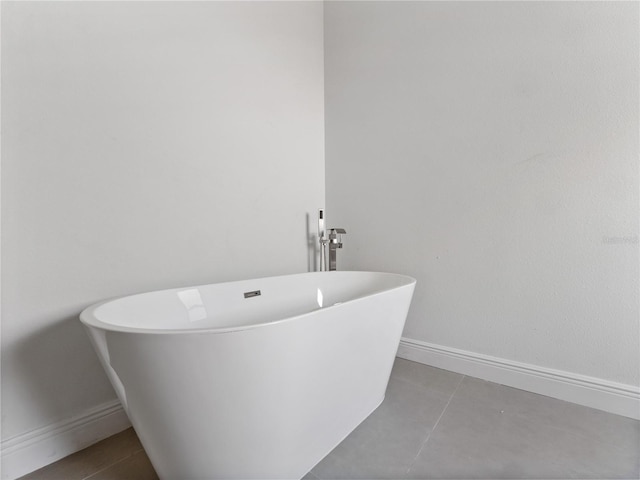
(491, 151)
(146, 145)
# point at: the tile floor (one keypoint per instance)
(434, 424)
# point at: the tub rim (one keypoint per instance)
(88, 318)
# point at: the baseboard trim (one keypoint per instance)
(30, 451)
(592, 392)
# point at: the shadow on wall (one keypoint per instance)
(53, 365)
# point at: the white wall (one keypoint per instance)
(146, 145)
(488, 149)
(491, 151)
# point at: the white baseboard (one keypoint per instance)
(30, 451)
(592, 392)
(27, 452)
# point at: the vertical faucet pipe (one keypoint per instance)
(323, 241)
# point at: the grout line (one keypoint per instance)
(93, 474)
(433, 429)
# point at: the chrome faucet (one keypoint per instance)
(334, 240)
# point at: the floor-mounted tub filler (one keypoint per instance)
(256, 379)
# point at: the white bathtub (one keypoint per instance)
(219, 386)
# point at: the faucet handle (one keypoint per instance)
(335, 236)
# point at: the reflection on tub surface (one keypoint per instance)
(193, 303)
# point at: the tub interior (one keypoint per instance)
(239, 304)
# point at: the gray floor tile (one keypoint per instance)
(431, 378)
(135, 467)
(90, 460)
(605, 427)
(386, 443)
(485, 434)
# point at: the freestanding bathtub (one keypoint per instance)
(255, 379)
